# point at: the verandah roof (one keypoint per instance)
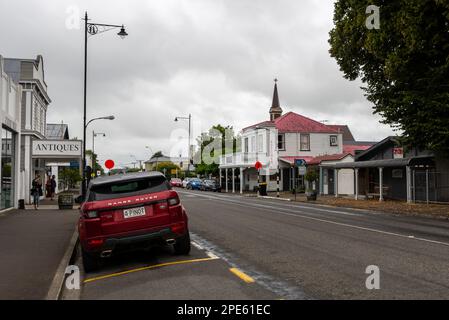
(414, 161)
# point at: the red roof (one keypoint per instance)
(328, 157)
(293, 122)
(349, 148)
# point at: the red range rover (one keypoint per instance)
(128, 212)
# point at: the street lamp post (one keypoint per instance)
(189, 151)
(83, 187)
(94, 134)
(92, 29)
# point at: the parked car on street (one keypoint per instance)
(175, 182)
(194, 184)
(185, 181)
(130, 211)
(210, 185)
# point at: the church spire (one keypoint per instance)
(275, 110)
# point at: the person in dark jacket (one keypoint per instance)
(53, 186)
(36, 190)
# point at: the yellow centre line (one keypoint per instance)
(146, 268)
(242, 275)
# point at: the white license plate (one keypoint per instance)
(134, 212)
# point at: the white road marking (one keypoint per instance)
(279, 211)
(211, 255)
(196, 245)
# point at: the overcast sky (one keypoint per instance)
(215, 59)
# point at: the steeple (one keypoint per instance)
(275, 110)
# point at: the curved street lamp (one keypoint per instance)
(91, 28)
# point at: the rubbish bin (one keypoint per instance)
(21, 204)
(263, 189)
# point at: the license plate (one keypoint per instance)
(134, 212)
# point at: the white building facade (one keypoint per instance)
(278, 144)
(10, 114)
(29, 74)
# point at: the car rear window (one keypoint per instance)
(121, 189)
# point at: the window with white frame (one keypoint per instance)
(281, 141)
(253, 144)
(246, 147)
(304, 142)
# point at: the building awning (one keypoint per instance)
(414, 161)
(291, 160)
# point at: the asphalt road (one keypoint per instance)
(308, 251)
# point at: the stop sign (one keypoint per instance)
(109, 164)
(258, 165)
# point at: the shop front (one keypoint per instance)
(52, 157)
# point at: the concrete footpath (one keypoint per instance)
(32, 245)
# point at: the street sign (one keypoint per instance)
(302, 170)
(300, 162)
(258, 165)
(109, 164)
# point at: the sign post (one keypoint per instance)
(258, 166)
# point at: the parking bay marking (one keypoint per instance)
(148, 268)
(242, 275)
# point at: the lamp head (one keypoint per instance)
(122, 32)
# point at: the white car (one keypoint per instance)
(185, 181)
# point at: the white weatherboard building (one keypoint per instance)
(26, 126)
(280, 144)
(10, 95)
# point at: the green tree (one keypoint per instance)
(70, 177)
(97, 166)
(167, 166)
(404, 64)
(210, 161)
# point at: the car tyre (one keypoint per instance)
(90, 263)
(182, 245)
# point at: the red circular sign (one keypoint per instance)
(258, 165)
(109, 164)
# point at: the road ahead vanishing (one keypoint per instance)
(316, 252)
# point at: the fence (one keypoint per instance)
(430, 186)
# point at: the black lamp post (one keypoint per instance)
(92, 29)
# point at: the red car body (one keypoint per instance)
(176, 182)
(113, 220)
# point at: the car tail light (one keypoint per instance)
(173, 201)
(91, 214)
(178, 228)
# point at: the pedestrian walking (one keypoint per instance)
(48, 187)
(36, 190)
(53, 186)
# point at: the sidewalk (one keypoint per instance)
(32, 244)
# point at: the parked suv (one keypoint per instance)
(130, 211)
